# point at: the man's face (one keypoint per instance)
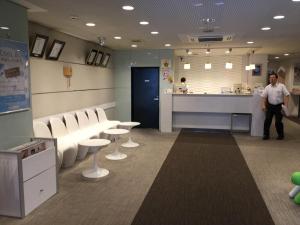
(273, 79)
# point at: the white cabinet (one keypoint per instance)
(26, 183)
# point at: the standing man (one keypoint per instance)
(274, 95)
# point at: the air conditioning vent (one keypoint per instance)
(209, 38)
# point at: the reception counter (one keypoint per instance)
(212, 111)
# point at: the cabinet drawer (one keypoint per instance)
(38, 163)
(39, 189)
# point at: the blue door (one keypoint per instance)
(145, 96)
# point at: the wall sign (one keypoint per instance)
(14, 76)
(296, 74)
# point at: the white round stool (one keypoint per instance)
(129, 126)
(95, 145)
(115, 133)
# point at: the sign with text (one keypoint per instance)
(14, 76)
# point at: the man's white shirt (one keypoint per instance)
(275, 93)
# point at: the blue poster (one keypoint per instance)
(14, 76)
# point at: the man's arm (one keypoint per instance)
(286, 100)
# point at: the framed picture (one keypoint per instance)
(91, 57)
(55, 50)
(105, 60)
(39, 45)
(257, 70)
(98, 59)
(296, 74)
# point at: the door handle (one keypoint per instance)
(156, 99)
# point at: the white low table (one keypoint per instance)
(129, 126)
(115, 133)
(95, 145)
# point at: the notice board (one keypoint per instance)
(14, 76)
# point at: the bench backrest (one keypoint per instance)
(71, 123)
(58, 127)
(40, 129)
(83, 120)
(101, 115)
(92, 116)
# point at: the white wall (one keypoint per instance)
(90, 85)
(211, 81)
(123, 61)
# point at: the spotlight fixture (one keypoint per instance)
(207, 51)
(228, 51)
(4, 28)
(277, 57)
(117, 37)
(189, 52)
(250, 42)
(154, 32)
(134, 46)
(167, 45)
(286, 54)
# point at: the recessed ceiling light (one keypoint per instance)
(144, 22)
(4, 28)
(167, 45)
(134, 46)
(198, 4)
(279, 17)
(276, 57)
(296, 0)
(266, 28)
(90, 24)
(154, 32)
(250, 42)
(190, 53)
(128, 7)
(117, 37)
(219, 3)
(286, 54)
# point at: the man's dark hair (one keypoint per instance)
(182, 79)
(273, 73)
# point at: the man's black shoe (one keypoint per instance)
(266, 138)
(280, 138)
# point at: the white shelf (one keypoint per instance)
(26, 183)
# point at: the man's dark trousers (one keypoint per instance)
(273, 110)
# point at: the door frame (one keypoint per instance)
(158, 94)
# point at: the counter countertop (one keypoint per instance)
(195, 94)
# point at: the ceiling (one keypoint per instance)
(175, 19)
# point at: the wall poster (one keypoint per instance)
(14, 76)
(296, 74)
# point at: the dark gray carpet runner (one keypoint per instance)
(204, 181)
